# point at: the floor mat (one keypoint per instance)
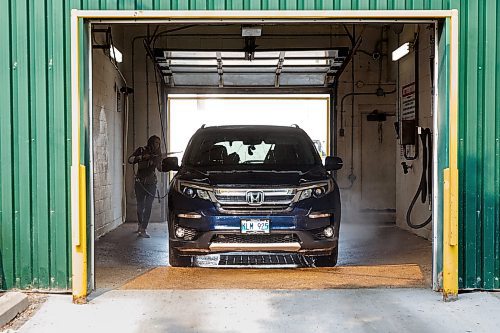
(379, 276)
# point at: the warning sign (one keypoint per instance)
(408, 98)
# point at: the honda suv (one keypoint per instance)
(253, 189)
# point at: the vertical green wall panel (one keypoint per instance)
(479, 149)
(21, 127)
(497, 152)
(6, 163)
(470, 197)
(35, 129)
(39, 152)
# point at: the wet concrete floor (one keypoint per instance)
(121, 256)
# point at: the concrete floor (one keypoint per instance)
(121, 256)
(335, 310)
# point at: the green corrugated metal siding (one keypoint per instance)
(35, 146)
(479, 144)
(35, 129)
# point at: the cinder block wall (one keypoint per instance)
(107, 137)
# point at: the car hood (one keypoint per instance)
(245, 178)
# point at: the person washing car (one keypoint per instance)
(148, 159)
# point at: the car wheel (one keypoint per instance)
(177, 260)
(327, 261)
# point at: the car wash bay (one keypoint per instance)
(45, 152)
(373, 104)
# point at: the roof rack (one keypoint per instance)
(203, 126)
(295, 125)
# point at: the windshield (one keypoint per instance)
(251, 149)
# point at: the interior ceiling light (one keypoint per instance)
(251, 31)
(115, 54)
(401, 51)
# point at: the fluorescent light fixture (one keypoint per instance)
(251, 31)
(401, 51)
(116, 54)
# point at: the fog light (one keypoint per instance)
(180, 232)
(328, 232)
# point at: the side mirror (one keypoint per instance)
(170, 164)
(333, 163)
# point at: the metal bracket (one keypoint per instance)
(279, 67)
(108, 38)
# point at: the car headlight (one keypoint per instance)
(305, 194)
(317, 190)
(193, 190)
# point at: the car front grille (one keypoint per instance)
(264, 209)
(255, 239)
(271, 200)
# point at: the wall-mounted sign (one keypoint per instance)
(408, 98)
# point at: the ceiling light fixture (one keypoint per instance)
(251, 31)
(115, 54)
(401, 51)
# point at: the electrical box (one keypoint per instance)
(408, 132)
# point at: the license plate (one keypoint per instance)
(254, 226)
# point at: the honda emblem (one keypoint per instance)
(255, 197)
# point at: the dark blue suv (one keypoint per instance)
(253, 189)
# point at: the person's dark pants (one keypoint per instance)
(145, 195)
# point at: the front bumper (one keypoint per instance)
(287, 234)
(211, 224)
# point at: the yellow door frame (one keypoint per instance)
(78, 172)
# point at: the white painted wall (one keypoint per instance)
(380, 183)
(407, 185)
(371, 196)
(107, 136)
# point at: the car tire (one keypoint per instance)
(177, 260)
(327, 261)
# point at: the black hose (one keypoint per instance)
(156, 195)
(425, 186)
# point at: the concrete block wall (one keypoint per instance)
(107, 136)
